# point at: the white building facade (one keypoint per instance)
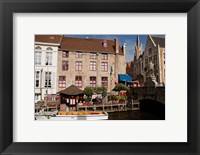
(45, 67)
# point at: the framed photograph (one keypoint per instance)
(101, 77)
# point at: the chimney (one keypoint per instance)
(117, 45)
(124, 48)
(105, 43)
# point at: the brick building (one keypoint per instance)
(90, 62)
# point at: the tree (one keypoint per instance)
(101, 90)
(120, 87)
(89, 91)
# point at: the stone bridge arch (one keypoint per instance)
(152, 106)
(156, 94)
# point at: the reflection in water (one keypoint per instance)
(135, 115)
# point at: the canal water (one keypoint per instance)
(135, 115)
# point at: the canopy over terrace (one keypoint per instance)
(71, 96)
(71, 90)
(124, 78)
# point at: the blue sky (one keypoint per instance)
(130, 41)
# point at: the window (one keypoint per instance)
(38, 48)
(38, 58)
(37, 74)
(142, 65)
(36, 97)
(62, 82)
(150, 51)
(49, 49)
(78, 65)
(47, 79)
(146, 62)
(139, 66)
(104, 66)
(93, 65)
(104, 56)
(65, 65)
(49, 58)
(79, 54)
(65, 54)
(92, 81)
(93, 55)
(37, 81)
(155, 59)
(150, 59)
(104, 81)
(78, 81)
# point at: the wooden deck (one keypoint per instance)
(101, 107)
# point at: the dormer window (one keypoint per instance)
(51, 37)
(105, 43)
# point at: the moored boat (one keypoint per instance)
(73, 115)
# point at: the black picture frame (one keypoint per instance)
(8, 7)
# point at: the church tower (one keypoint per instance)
(138, 48)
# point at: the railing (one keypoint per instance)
(109, 107)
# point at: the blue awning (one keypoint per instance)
(124, 77)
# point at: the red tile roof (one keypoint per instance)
(56, 39)
(88, 45)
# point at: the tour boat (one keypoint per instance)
(75, 115)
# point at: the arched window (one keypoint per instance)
(49, 49)
(38, 48)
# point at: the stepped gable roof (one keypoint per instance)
(159, 40)
(56, 39)
(88, 45)
(71, 90)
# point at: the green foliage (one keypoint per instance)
(121, 98)
(88, 91)
(101, 90)
(120, 87)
